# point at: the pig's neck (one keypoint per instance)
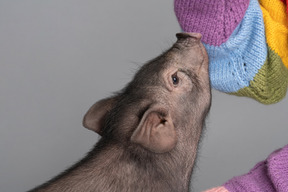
(112, 168)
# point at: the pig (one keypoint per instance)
(150, 130)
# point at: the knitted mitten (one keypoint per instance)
(269, 175)
(233, 32)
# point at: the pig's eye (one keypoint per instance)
(175, 79)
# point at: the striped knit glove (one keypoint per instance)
(270, 175)
(246, 42)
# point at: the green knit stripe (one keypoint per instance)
(270, 83)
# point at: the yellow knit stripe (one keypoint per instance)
(276, 9)
(276, 27)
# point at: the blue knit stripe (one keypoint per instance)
(235, 63)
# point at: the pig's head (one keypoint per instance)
(163, 108)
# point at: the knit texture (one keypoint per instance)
(270, 83)
(247, 57)
(286, 3)
(276, 27)
(215, 20)
(257, 180)
(269, 175)
(234, 63)
(277, 164)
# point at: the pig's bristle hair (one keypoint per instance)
(136, 65)
(168, 43)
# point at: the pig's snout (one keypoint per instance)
(188, 39)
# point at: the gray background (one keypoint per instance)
(58, 57)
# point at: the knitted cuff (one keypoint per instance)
(278, 169)
(270, 175)
(257, 180)
(215, 20)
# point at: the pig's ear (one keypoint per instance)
(155, 132)
(95, 117)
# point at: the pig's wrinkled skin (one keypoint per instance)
(150, 130)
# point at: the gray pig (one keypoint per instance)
(150, 130)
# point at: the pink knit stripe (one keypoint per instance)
(215, 20)
(269, 175)
(278, 169)
(217, 189)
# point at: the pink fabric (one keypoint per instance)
(277, 165)
(269, 175)
(214, 19)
